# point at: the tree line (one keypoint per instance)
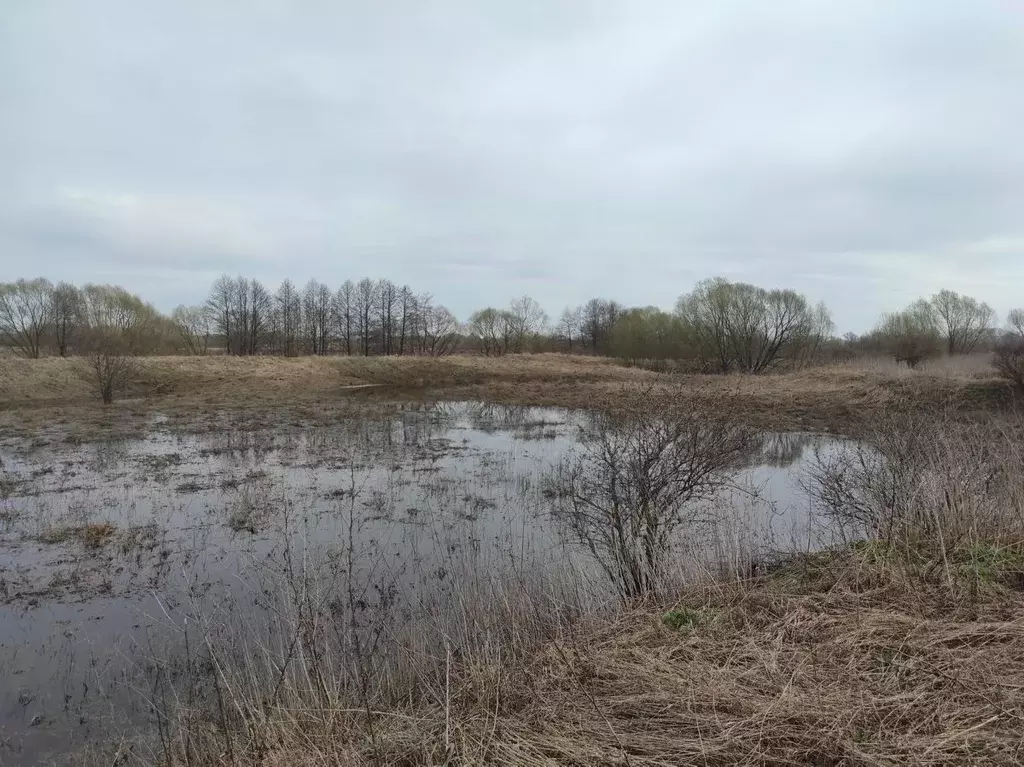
(719, 326)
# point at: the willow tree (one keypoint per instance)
(964, 322)
(743, 327)
(26, 310)
(911, 336)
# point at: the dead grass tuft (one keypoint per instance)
(93, 536)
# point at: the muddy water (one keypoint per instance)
(104, 545)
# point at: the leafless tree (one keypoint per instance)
(343, 310)
(366, 294)
(599, 316)
(67, 316)
(438, 330)
(962, 320)
(526, 321)
(1015, 322)
(26, 311)
(492, 328)
(407, 309)
(194, 328)
(747, 328)
(387, 296)
(243, 314)
(221, 305)
(316, 308)
(288, 311)
(629, 487)
(569, 324)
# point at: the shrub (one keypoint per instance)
(1009, 361)
(106, 365)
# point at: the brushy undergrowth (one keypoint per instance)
(856, 656)
(902, 645)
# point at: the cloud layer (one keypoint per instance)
(864, 153)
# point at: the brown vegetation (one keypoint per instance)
(904, 646)
(834, 396)
(856, 657)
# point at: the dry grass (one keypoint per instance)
(900, 650)
(35, 392)
(845, 676)
(93, 536)
(844, 659)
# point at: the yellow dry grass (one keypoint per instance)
(838, 662)
(825, 397)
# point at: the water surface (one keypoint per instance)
(105, 545)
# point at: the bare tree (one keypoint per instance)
(407, 309)
(316, 308)
(705, 314)
(194, 328)
(492, 328)
(599, 316)
(1015, 322)
(366, 294)
(26, 311)
(526, 321)
(629, 487)
(221, 306)
(742, 326)
(343, 310)
(962, 320)
(438, 330)
(67, 316)
(569, 324)
(289, 318)
(387, 295)
(251, 313)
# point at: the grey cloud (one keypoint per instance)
(863, 153)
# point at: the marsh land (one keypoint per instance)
(535, 559)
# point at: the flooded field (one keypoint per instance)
(115, 555)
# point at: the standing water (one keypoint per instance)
(110, 547)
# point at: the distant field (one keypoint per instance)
(830, 397)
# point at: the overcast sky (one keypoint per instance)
(863, 152)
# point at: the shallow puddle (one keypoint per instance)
(107, 547)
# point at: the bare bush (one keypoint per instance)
(926, 481)
(1009, 361)
(106, 364)
(631, 484)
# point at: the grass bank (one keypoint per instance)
(853, 657)
(33, 391)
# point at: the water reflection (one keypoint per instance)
(779, 450)
(102, 542)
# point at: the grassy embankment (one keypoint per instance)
(190, 388)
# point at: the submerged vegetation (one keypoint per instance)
(899, 645)
(326, 576)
